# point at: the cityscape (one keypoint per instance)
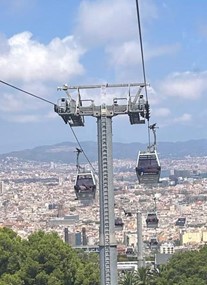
(40, 196)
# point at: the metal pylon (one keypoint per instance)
(108, 255)
(73, 113)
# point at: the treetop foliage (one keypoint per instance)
(44, 259)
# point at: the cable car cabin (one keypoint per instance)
(148, 167)
(154, 245)
(127, 213)
(129, 251)
(152, 220)
(119, 224)
(180, 222)
(85, 186)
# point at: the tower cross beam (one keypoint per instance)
(106, 85)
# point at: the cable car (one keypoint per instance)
(154, 245)
(119, 224)
(127, 213)
(152, 220)
(148, 166)
(129, 251)
(85, 186)
(85, 183)
(180, 222)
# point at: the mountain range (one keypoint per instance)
(65, 152)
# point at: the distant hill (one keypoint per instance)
(65, 152)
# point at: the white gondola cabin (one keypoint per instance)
(148, 167)
(152, 220)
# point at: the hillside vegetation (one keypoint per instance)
(44, 259)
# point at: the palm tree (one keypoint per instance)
(128, 278)
(144, 276)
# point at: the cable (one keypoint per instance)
(33, 95)
(142, 57)
(82, 149)
(47, 101)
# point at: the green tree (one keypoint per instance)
(185, 268)
(48, 254)
(11, 251)
(44, 259)
(11, 279)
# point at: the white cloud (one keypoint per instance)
(8, 103)
(16, 101)
(100, 21)
(186, 85)
(29, 60)
(4, 46)
(24, 118)
(128, 53)
(19, 103)
(184, 118)
(31, 118)
(125, 54)
(104, 21)
(161, 112)
(112, 24)
(51, 115)
(161, 50)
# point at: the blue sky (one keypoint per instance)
(45, 44)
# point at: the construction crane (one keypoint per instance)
(73, 113)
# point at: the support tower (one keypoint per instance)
(73, 113)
